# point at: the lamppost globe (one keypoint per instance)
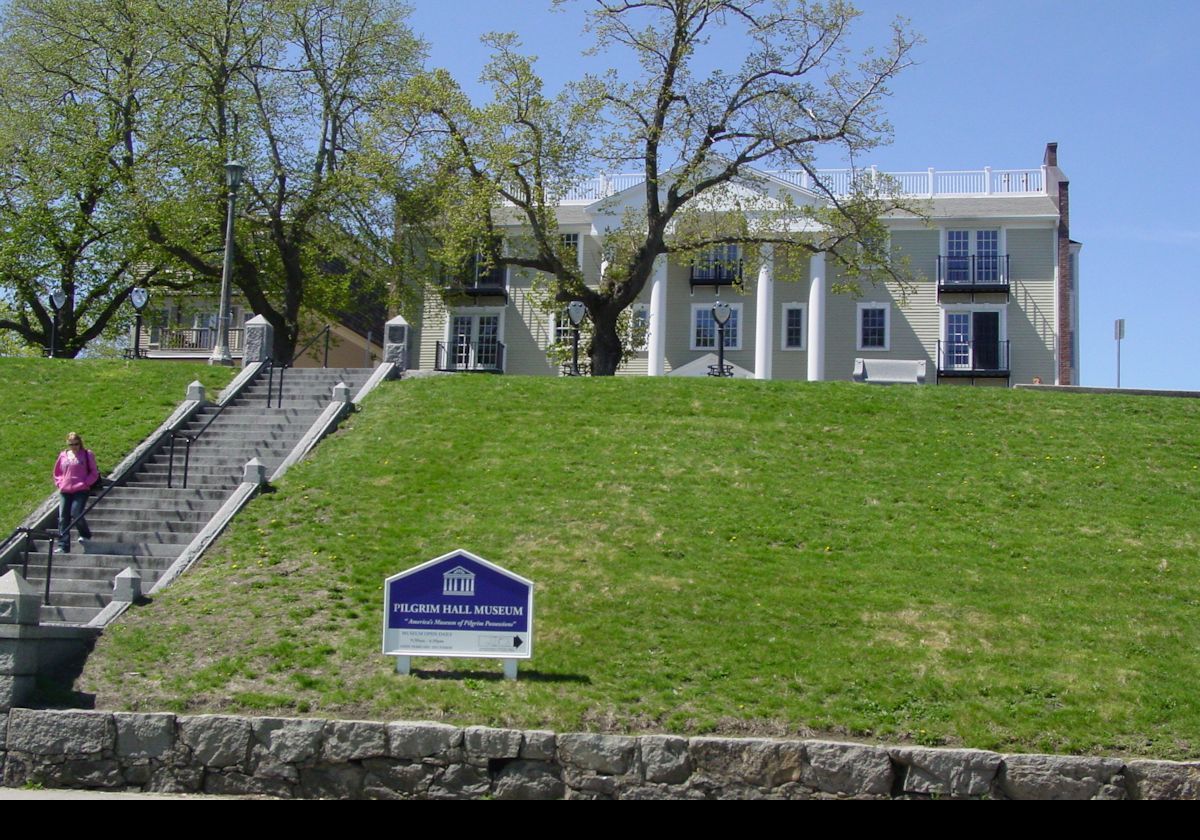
(139, 298)
(233, 174)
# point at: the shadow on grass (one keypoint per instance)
(527, 676)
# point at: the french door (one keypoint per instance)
(475, 341)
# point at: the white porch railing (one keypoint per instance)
(931, 183)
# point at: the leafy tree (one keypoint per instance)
(288, 88)
(788, 89)
(120, 117)
(72, 74)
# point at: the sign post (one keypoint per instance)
(1118, 334)
(458, 605)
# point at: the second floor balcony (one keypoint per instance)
(483, 283)
(974, 273)
(716, 270)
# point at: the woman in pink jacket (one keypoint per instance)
(75, 472)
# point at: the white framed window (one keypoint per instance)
(704, 327)
(874, 326)
(973, 256)
(560, 326)
(639, 327)
(570, 244)
(793, 331)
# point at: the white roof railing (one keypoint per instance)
(931, 183)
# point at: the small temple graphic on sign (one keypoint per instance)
(458, 581)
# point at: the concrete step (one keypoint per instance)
(223, 488)
(127, 547)
(147, 496)
(129, 502)
(170, 522)
(147, 567)
(52, 614)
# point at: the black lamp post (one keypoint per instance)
(720, 313)
(57, 301)
(139, 298)
(576, 310)
(220, 353)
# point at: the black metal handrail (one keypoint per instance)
(445, 358)
(189, 438)
(326, 331)
(967, 271)
(707, 272)
(967, 358)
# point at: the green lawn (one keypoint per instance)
(113, 404)
(1000, 569)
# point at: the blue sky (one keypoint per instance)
(1114, 84)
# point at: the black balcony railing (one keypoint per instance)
(976, 273)
(197, 339)
(470, 356)
(489, 283)
(973, 358)
(716, 273)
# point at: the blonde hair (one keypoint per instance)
(73, 437)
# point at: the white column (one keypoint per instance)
(657, 341)
(816, 319)
(764, 313)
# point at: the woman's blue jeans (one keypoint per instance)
(71, 505)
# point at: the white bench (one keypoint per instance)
(889, 371)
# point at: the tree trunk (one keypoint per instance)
(605, 349)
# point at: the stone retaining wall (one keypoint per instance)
(289, 757)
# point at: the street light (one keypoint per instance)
(576, 310)
(720, 313)
(139, 298)
(220, 353)
(57, 301)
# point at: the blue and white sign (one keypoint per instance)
(458, 605)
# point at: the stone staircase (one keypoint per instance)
(145, 525)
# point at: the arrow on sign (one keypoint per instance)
(518, 641)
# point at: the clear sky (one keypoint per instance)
(1115, 84)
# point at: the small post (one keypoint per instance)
(325, 363)
(341, 393)
(510, 669)
(1118, 334)
(127, 587)
(404, 665)
(258, 339)
(395, 343)
(576, 310)
(195, 391)
(721, 312)
(255, 472)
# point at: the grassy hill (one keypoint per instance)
(113, 404)
(1001, 569)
